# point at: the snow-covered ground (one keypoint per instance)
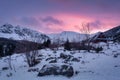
(92, 66)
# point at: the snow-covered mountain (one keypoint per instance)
(70, 35)
(20, 33)
(114, 33)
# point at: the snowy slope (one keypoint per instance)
(70, 35)
(92, 66)
(114, 33)
(20, 33)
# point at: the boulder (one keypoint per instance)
(54, 69)
(76, 60)
(66, 57)
(52, 59)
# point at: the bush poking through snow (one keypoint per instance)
(32, 58)
(98, 49)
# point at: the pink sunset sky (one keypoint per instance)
(53, 16)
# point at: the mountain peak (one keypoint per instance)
(21, 33)
(70, 35)
(7, 24)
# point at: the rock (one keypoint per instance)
(76, 72)
(53, 61)
(63, 56)
(54, 69)
(66, 57)
(5, 68)
(115, 55)
(40, 55)
(50, 58)
(34, 70)
(76, 60)
(117, 66)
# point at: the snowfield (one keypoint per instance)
(104, 65)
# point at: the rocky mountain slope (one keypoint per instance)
(113, 33)
(20, 33)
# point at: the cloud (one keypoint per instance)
(29, 21)
(96, 24)
(52, 20)
(50, 29)
(101, 13)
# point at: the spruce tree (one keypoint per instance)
(47, 43)
(67, 45)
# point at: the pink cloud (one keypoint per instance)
(72, 22)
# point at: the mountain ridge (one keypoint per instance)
(21, 33)
(70, 35)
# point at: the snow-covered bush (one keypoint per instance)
(31, 57)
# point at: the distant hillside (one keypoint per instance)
(70, 35)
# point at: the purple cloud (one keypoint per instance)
(50, 19)
(96, 24)
(29, 21)
(105, 11)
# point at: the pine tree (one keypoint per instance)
(67, 45)
(1, 51)
(47, 43)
